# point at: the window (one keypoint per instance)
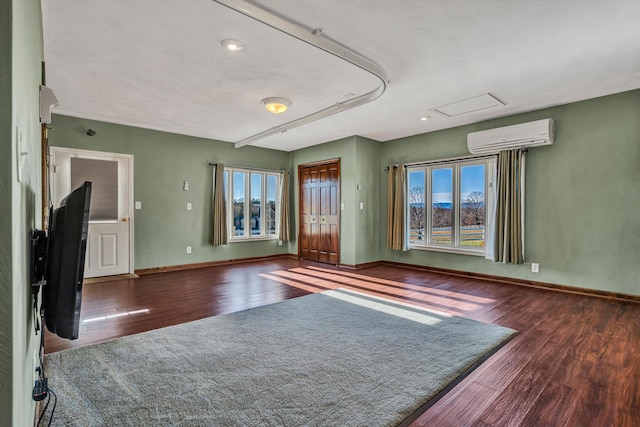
(446, 205)
(253, 211)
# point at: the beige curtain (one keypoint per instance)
(396, 213)
(490, 217)
(219, 207)
(284, 208)
(509, 214)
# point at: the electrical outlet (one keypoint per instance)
(535, 267)
(189, 206)
(40, 390)
(188, 249)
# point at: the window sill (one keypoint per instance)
(458, 251)
(251, 239)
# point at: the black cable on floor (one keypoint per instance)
(53, 410)
(55, 403)
(44, 411)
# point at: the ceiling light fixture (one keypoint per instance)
(276, 105)
(302, 33)
(231, 44)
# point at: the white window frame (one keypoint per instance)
(456, 165)
(263, 235)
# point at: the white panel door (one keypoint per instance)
(110, 238)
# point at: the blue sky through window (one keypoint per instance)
(441, 191)
(256, 186)
(416, 179)
(472, 179)
(238, 185)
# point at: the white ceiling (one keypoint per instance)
(158, 64)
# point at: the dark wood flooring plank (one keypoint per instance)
(448, 413)
(553, 407)
(575, 361)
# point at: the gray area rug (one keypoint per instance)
(337, 358)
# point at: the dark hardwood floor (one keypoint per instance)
(575, 362)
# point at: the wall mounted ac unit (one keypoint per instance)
(531, 134)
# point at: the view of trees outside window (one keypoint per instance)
(467, 181)
(441, 205)
(472, 205)
(416, 206)
(256, 202)
(258, 218)
(238, 203)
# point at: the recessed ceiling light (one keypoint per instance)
(276, 105)
(232, 44)
(425, 118)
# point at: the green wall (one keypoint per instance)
(367, 230)
(582, 200)
(162, 162)
(359, 164)
(345, 150)
(6, 263)
(20, 66)
(581, 197)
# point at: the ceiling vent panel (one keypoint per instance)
(470, 105)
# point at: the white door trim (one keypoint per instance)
(53, 197)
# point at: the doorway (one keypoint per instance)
(110, 236)
(319, 212)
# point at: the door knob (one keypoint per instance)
(125, 219)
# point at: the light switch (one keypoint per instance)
(138, 204)
(361, 206)
(22, 154)
(185, 186)
(341, 206)
(189, 206)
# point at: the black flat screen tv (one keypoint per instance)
(67, 244)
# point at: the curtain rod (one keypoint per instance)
(445, 161)
(250, 169)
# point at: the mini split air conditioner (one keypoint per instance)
(531, 134)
